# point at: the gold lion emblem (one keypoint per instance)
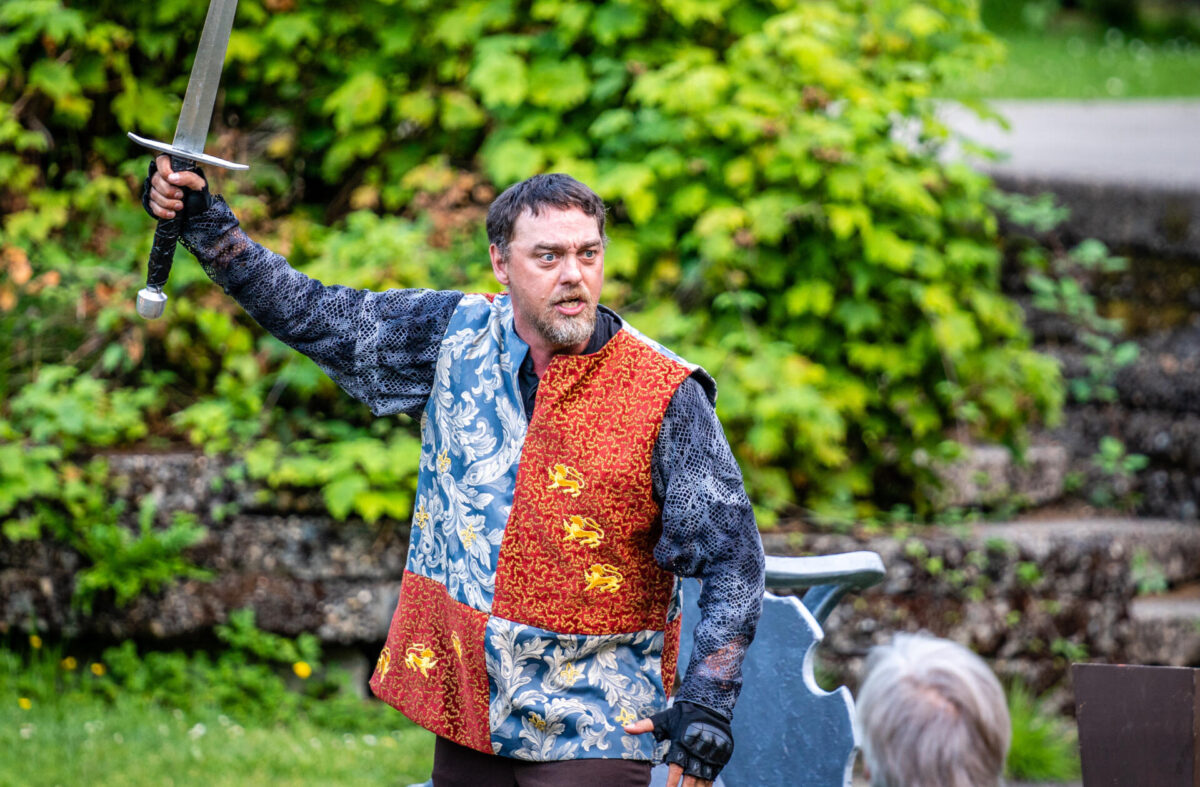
(420, 658)
(568, 480)
(583, 529)
(385, 661)
(603, 577)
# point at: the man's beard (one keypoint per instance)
(557, 329)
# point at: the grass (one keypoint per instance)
(1072, 58)
(1043, 744)
(131, 742)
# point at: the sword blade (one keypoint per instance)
(196, 114)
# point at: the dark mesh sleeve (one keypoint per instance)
(709, 533)
(380, 347)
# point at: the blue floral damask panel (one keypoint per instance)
(614, 679)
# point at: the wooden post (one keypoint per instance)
(1138, 725)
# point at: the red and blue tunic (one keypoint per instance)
(533, 620)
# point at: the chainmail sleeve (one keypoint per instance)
(380, 347)
(708, 531)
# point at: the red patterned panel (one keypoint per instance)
(577, 555)
(432, 669)
(670, 653)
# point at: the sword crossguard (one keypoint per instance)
(191, 155)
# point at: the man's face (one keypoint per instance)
(554, 272)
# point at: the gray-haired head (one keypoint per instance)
(552, 190)
(932, 714)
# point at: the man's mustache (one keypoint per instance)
(579, 295)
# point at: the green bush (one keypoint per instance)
(781, 213)
(255, 677)
(1043, 744)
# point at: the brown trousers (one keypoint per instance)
(458, 766)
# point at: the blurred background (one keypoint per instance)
(941, 260)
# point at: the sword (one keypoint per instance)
(188, 146)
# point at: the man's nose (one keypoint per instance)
(570, 271)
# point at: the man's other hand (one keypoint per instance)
(701, 742)
(163, 194)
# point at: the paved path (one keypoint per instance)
(1153, 143)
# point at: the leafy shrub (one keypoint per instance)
(255, 678)
(781, 213)
(1043, 744)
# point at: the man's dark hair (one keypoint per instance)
(552, 190)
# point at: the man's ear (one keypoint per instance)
(499, 266)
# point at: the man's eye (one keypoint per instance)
(589, 254)
(547, 256)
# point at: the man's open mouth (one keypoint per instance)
(570, 306)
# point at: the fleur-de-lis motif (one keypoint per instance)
(385, 661)
(457, 643)
(626, 716)
(537, 721)
(420, 658)
(421, 518)
(583, 529)
(603, 577)
(569, 674)
(468, 535)
(443, 461)
(566, 479)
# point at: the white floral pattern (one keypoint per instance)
(472, 430)
(566, 696)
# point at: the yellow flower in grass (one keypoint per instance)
(24, 703)
(98, 669)
(69, 663)
(302, 670)
(35, 641)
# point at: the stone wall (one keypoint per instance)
(1157, 409)
(300, 571)
(1030, 596)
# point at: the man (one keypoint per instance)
(571, 469)
(931, 714)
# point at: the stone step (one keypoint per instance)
(1031, 596)
(1167, 627)
(988, 474)
(1128, 170)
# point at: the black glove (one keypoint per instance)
(194, 202)
(701, 740)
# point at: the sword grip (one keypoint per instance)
(151, 301)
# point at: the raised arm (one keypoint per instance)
(380, 347)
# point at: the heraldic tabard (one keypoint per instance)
(533, 621)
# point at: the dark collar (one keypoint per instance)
(607, 325)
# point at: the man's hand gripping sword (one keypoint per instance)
(187, 149)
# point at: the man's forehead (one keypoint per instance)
(558, 224)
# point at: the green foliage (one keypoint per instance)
(841, 284)
(241, 634)
(1043, 745)
(258, 678)
(357, 473)
(1147, 573)
(1056, 283)
(129, 563)
(43, 490)
(1117, 469)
